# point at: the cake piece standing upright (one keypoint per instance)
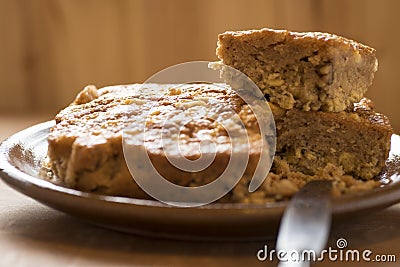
(308, 71)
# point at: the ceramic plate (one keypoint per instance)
(20, 160)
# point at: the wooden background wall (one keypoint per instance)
(50, 49)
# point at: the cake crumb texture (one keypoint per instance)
(308, 71)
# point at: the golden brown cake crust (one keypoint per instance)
(256, 37)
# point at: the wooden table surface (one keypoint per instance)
(32, 234)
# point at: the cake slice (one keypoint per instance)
(85, 145)
(308, 71)
(349, 148)
(357, 140)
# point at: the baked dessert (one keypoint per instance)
(308, 71)
(85, 145)
(282, 183)
(358, 139)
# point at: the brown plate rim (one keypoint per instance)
(30, 185)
